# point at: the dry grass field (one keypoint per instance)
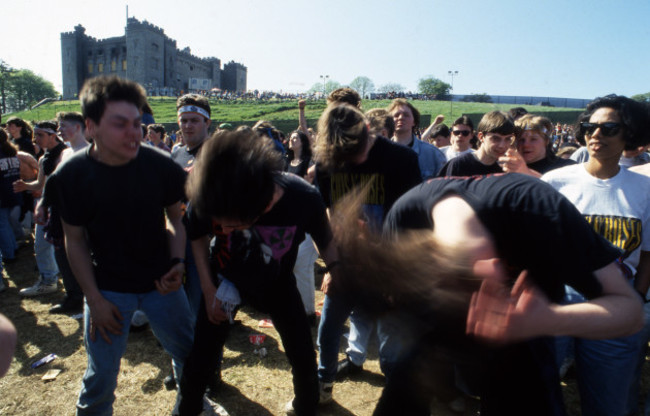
(252, 385)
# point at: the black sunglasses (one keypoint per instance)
(606, 129)
(460, 132)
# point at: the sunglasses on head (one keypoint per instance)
(606, 129)
(460, 132)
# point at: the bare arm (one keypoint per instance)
(28, 166)
(33, 186)
(301, 117)
(502, 316)
(512, 161)
(212, 305)
(427, 133)
(173, 279)
(104, 316)
(8, 339)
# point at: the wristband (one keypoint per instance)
(176, 260)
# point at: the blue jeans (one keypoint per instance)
(169, 317)
(336, 310)
(395, 331)
(192, 284)
(7, 239)
(44, 253)
(606, 371)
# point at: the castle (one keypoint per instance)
(145, 55)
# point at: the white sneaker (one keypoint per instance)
(325, 391)
(211, 408)
(38, 289)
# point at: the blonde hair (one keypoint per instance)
(538, 124)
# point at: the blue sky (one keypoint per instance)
(575, 49)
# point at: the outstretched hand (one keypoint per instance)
(172, 280)
(502, 315)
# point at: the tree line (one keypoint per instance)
(20, 89)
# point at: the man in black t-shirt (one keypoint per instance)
(123, 236)
(258, 217)
(349, 158)
(496, 134)
(489, 231)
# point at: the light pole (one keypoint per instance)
(324, 78)
(451, 97)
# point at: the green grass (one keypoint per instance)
(286, 112)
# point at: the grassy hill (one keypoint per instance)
(284, 114)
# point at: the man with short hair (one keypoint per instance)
(46, 138)
(194, 121)
(496, 133)
(462, 132)
(72, 129)
(124, 236)
(407, 120)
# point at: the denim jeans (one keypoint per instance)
(336, 310)
(192, 284)
(287, 312)
(44, 253)
(169, 317)
(606, 371)
(7, 239)
(396, 332)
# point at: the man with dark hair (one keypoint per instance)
(124, 236)
(496, 132)
(194, 114)
(71, 129)
(462, 132)
(440, 136)
(407, 121)
(46, 138)
(256, 238)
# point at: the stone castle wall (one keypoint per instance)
(145, 55)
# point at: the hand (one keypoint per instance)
(216, 315)
(500, 315)
(105, 317)
(172, 280)
(439, 119)
(40, 213)
(20, 186)
(301, 104)
(512, 161)
(326, 284)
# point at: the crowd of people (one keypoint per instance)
(486, 259)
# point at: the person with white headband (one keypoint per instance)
(533, 155)
(46, 138)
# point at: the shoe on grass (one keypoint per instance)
(211, 408)
(347, 368)
(40, 288)
(325, 392)
(68, 306)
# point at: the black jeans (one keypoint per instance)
(72, 289)
(289, 318)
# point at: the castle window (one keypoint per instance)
(90, 68)
(154, 46)
(100, 67)
(123, 64)
(90, 53)
(113, 66)
(191, 68)
(123, 49)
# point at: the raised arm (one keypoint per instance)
(301, 117)
(427, 133)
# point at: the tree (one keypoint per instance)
(477, 98)
(390, 87)
(434, 86)
(24, 88)
(644, 98)
(362, 85)
(5, 72)
(329, 86)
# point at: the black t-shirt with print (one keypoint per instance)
(468, 165)
(395, 170)
(260, 260)
(122, 210)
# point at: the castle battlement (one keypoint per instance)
(142, 56)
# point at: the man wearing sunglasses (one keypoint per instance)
(617, 204)
(461, 134)
(496, 133)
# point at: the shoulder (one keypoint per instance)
(563, 173)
